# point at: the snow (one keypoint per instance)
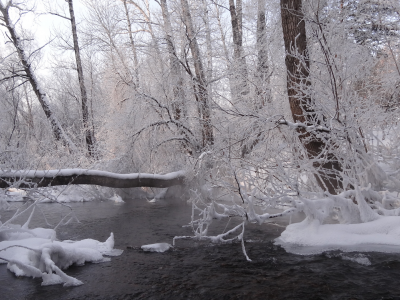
(15, 195)
(37, 252)
(35, 256)
(158, 247)
(75, 172)
(116, 198)
(310, 237)
(64, 195)
(60, 194)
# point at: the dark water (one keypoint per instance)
(199, 270)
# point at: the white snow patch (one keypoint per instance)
(74, 172)
(116, 198)
(310, 237)
(15, 195)
(358, 258)
(158, 247)
(37, 254)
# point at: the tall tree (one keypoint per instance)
(176, 73)
(262, 83)
(200, 79)
(89, 134)
(133, 46)
(40, 93)
(239, 60)
(301, 105)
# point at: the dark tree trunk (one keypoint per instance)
(89, 134)
(58, 131)
(301, 105)
(201, 85)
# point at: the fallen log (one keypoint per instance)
(45, 178)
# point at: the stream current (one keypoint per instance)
(199, 270)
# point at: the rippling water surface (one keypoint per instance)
(195, 270)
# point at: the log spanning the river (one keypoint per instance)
(44, 178)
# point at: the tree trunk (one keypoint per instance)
(301, 105)
(89, 134)
(239, 61)
(201, 85)
(209, 71)
(226, 53)
(262, 77)
(135, 58)
(58, 131)
(176, 72)
(38, 178)
(147, 19)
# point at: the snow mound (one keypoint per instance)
(117, 199)
(41, 256)
(158, 247)
(15, 195)
(310, 237)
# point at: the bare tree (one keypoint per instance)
(262, 72)
(200, 79)
(89, 134)
(240, 67)
(176, 73)
(57, 129)
(301, 104)
(133, 46)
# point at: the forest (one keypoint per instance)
(258, 109)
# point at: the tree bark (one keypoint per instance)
(240, 67)
(209, 71)
(262, 83)
(135, 57)
(301, 105)
(201, 85)
(37, 178)
(226, 53)
(89, 134)
(57, 129)
(176, 72)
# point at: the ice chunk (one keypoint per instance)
(158, 247)
(117, 199)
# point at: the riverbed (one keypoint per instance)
(199, 270)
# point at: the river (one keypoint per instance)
(199, 270)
